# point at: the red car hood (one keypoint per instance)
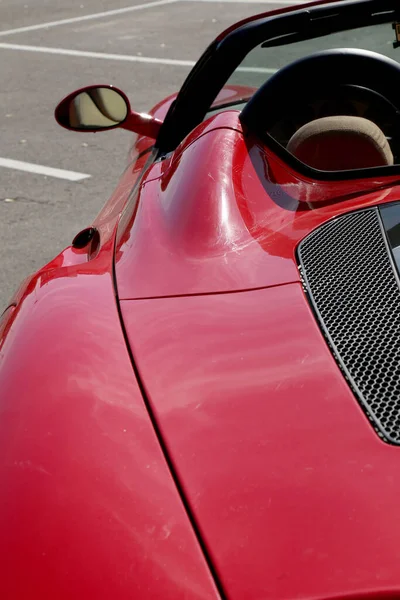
(293, 492)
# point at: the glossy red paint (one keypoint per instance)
(5, 322)
(275, 455)
(234, 397)
(80, 459)
(232, 224)
(142, 124)
(80, 498)
(294, 493)
(89, 508)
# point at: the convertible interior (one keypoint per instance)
(336, 110)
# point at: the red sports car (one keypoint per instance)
(200, 397)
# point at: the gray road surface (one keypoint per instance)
(39, 215)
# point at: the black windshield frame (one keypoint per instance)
(223, 56)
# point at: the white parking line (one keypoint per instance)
(122, 57)
(107, 13)
(19, 165)
(256, 70)
(103, 55)
(121, 11)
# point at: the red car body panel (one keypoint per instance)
(80, 461)
(232, 224)
(225, 374)
(81, 468)
(192, 438)
(295, 494)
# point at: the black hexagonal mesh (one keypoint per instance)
(353, 287)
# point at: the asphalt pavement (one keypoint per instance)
(40, 213)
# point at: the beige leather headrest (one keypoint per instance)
(341, 143)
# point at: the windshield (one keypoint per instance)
(261, 63)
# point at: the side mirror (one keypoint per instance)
(100, 107)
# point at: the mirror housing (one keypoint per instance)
(101, 107)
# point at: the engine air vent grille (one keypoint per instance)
(352, 284)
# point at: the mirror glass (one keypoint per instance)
(97, 108)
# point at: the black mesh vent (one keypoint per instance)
(348, 273)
